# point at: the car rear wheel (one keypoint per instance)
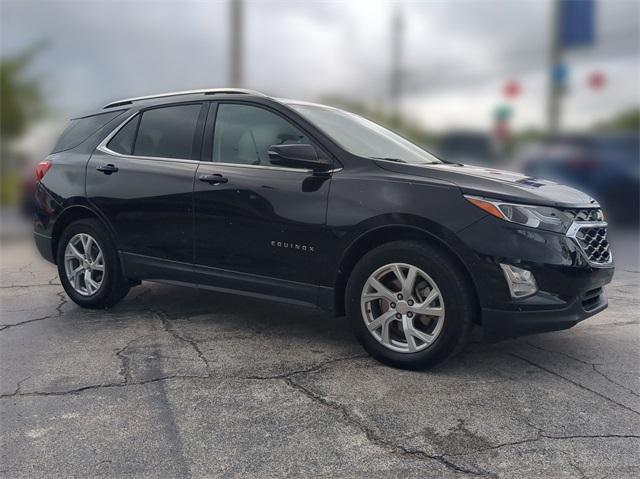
(409, 304)
(89, 267)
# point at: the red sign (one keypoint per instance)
(511, 89)
(597, 80)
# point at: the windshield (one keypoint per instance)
(362, 137)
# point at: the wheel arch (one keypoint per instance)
(378, 236)
(70, 215)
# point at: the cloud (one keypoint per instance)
(456, 55)
(98, 51)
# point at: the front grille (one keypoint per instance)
(585, 214)
(593, 241)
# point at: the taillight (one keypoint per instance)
(42, 169)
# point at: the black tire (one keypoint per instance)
(114, 285)
(454, 285)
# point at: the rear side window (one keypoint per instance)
(167, 132)
(80, 129)
(122, 142)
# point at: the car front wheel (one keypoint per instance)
(409, 304)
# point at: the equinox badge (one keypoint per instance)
(294, 246)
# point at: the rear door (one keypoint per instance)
(141, 179)
(260, 228)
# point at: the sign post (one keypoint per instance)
(572, 25)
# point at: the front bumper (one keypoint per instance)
(503, 324)
(570, 289)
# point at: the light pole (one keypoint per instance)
(555, 71)
(395, 77)
(236, 47)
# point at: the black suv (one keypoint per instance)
(234, 191)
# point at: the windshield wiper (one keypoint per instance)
(397, 160)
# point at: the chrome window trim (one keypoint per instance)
(106, 150)
(573, 231)
(103, 148)
(263, 167)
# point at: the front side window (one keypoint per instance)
(243, 134)
(167, 132)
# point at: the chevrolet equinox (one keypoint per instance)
(235, 191)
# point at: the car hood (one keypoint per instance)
(500, 184)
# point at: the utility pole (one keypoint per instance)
(573, 25)
(395, 79)
(236, 37)
(556, 87)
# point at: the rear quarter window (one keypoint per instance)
(123, 141)
(80, 129)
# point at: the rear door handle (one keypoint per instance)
(213, 179)
(107, 169)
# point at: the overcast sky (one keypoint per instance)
(457, 54)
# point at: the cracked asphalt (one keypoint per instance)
(175, 382)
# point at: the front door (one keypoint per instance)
(258, 227)
(141, 180)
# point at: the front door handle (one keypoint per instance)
(213, 179)
(107, 169)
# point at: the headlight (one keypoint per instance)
(543, 217)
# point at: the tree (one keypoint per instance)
(625, 121)
(21, 103)
(21, 98)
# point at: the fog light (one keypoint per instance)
(521, 282)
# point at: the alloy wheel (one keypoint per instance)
(402, 307)
(84, 264)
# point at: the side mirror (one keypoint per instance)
(298, 156)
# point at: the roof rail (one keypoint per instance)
(208, 91)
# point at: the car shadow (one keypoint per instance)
(208, 315)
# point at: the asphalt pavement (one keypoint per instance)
(176, 382)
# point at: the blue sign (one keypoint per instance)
(559, 74)
(577, 23)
